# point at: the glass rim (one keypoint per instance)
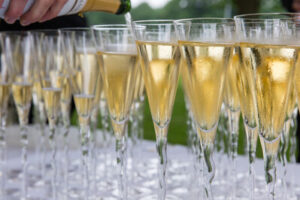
(154, 22)
(53, 32)
(254, 16)
(205, 20)
(16, 32)
(102, 27)
(74, 29)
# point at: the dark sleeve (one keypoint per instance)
(287, 4)
(59, 22)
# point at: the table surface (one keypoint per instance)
(179, 157)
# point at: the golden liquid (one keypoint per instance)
(52, 102)
(297, 80)
(204, 69)
(38, 88)
(98, 92)
(84, 106)
(119, 79)
(160, 64)
(139, 87)
(87, 75)
(185, 81)
(291, 101)
(22, 93)
(62, 82)
(272, 67)
(4, 95)
(231, 97)
(246, 91)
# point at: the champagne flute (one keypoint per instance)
(55, 85)
(266, 53)
(206, 48)
(193, 141)
(232, 103)
(118, 60)
(69, 62)
(6, 75)
(84, 81)
(18, 56)
(160, 62)
(246, 93)
(135, 123)
(285, 140)
(39, 104)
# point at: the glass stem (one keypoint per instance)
(66, 124)
(140, 116)
(233, 119)
(270, 151)
(3, 156)
(293, 150)
(283, 151)
(161, 145)
(42, 143)
(252, 177)
(208, 170)
(105, 131)
(52, 142)
(234, 145)
(251, 134)
(270, 170)
(85, 136)
(122, 165)
(92, 147)
(134, 132)
(24, 141)
(198, 165)
(42, 153)
(251, 154)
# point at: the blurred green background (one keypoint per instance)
(176, 9)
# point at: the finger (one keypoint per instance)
(14, 10)
(1, 2)
(38, 10)
(54, 10)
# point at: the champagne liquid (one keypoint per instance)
(38, 88)
(84, 106)
(52, 102)
(62, 82)
(119, 79)
(204, 70)
(246, 91)
(139, 87)
(272, 66)
(4, 95)
(86, 77)
(98, 92)
(231, 97)
(160, 68)
(291, 102)
(297, 80)
(22, 93)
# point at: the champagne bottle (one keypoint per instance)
(78, 6)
